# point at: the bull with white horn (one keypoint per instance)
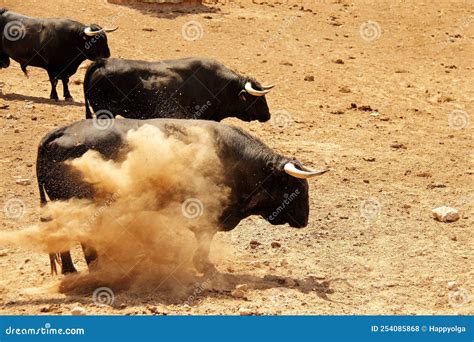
(57, 45)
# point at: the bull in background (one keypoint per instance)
(189, 88)
(57, 45)
(259, 179)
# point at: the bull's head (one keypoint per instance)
(95, 41)
(252, 104)
(285, 199)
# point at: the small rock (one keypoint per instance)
(237, 293)
(445, 214)
(290, 282)
(276, 244)
(246, 312)
(436, 185)
(368, 268)
(452, 285)
(243, 287)
(369, 159)
(316, 276)
(397, 145)
(309, 78)
(374, 114)
(16, 130)
(254, 244)
(365, 108)
(78, 311)
(45, 309)
(148, 29)
(345, 90)
(255, 263)
(23, 181)
(339, 61)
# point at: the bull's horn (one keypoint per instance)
(249, 89)
(88, 31)
(291, 169)
(111, 29)
(268, 87)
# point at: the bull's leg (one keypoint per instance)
(201, 256)
(54, 82)
(67, 266)
(67, 94)
(4, 61)
(90, 255)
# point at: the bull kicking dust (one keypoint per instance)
(141, 220)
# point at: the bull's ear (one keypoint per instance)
(242, 95)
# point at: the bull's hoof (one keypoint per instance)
(69, 99)
(68, 270)
(55, 99)
(205, 267)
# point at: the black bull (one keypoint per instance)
(189, 88)
(57, 45)
(260, 180)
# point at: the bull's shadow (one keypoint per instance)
(166, 11)
(37, 99)
(191, 292)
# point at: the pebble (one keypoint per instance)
(452, 285)
(243, 287)
(309, 78)
(276, 244)
(237, 293)
(255, 263)
(445, 214)
(246, 312)
(290, 282)
(254, 244)
(78, 311)
(23, 181)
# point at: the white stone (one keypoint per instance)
(452, 285)
(245, 312)
(445, 214)
(23, 181)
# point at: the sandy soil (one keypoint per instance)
(371, 246)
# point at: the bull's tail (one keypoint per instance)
(87, 86)
(40, 176)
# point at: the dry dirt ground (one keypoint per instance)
(371, 246)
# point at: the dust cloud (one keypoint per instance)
(146, 206)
